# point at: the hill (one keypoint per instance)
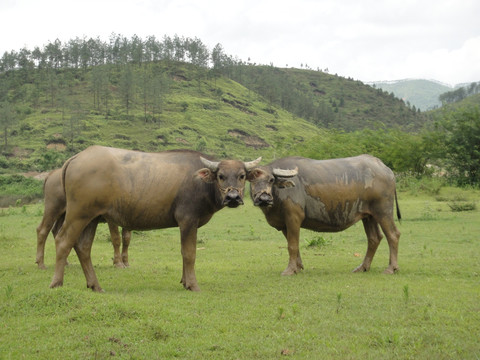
(154, 95)
(217, 116)
(329, 101)
(423, 94)
(469, 102)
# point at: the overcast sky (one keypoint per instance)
(363, 39)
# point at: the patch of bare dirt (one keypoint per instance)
(182, 141)
(249, 140)
(21, 152)
(57, 146)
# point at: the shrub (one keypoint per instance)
(462, 206)
(317, 241)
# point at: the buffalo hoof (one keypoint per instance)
(42, 267)
(391, 270)
(56, 284)
(96, 288)
(289, 272)
(120, 265)
(193, 287)
(361, 268)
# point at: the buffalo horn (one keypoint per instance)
(211, 165)
(285, 173)
(251, 164)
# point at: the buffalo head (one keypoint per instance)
(263, 178)
(229, 177)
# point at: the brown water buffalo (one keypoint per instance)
(142, 191)
(328, 196)
(53, 217)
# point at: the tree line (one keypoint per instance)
(459, 94)
(137, 73)
(82, 53)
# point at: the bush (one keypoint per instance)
(317, 242)
(462, 206)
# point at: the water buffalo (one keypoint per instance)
(142, 191)
(53, 217)
(328, 196)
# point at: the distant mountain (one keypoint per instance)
(423, 94)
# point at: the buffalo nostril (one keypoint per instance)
(234, 196)
(265, 197)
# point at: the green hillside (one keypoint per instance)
(329, 101)
(154, 95)
(216, 116)
(157, 95)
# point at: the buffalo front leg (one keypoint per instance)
(188, 234)
(294, 216)
(295, 263)
(374, 237)
(83, 248)
(116, 241)
(126, 236)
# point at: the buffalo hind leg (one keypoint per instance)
(42, 233)
(57, 226)
(126, 236)
(393, 236)
(188, 235)
(64, 242)
(83, 248)
(374, 236)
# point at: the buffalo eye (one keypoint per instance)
(271, 180)
(221, 177)
(242, 177)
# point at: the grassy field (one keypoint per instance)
(246, 310)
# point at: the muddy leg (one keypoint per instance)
(374, 237)
(83, 247)
(57, 226)
(115, 237)
(294, 216)
(188, 234)
(42, 233)
(295, 263)
(393, 236)
(64, 242)
(126, 236)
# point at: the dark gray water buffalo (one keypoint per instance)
(142, 191)
(54, 215)
(328, 196)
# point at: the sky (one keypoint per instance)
(367, 40)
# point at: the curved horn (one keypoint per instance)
(251, 164)
(285, 173)
(211, 165)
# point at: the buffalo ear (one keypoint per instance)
(206, 175)
(283, 183)
(254, 174)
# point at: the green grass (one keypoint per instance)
(246, 310)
